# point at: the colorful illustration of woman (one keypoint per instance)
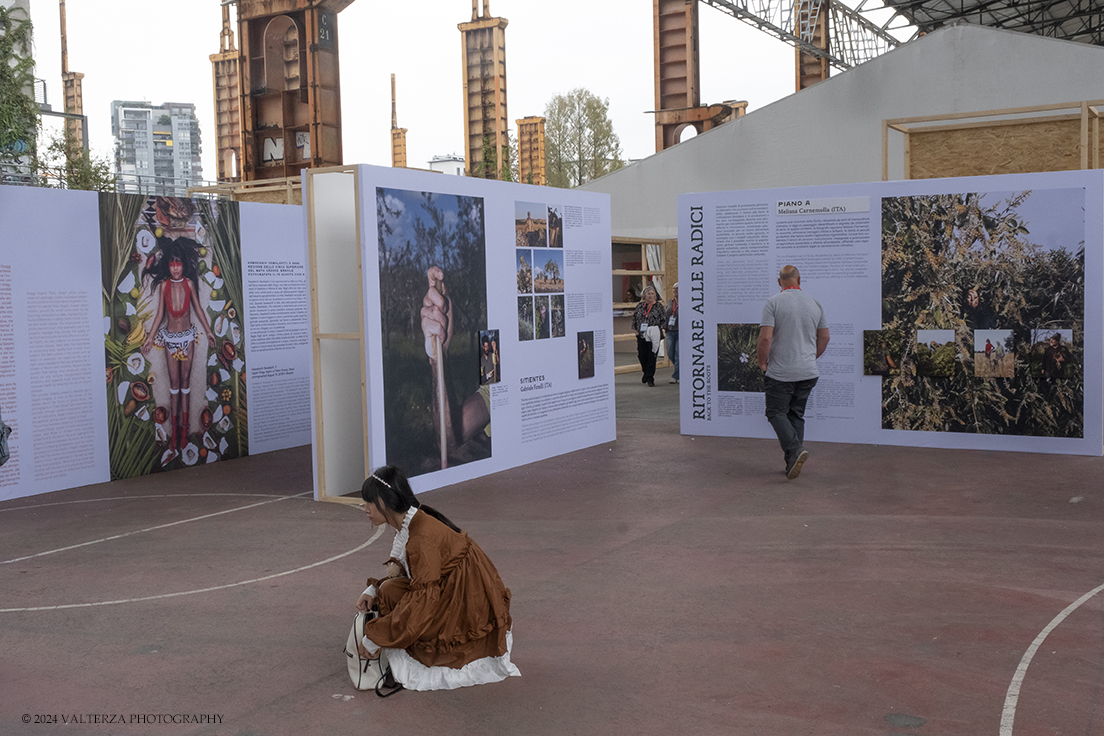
(175, 288)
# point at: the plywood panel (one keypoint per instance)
(1000, 149)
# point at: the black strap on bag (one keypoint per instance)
(386, 687)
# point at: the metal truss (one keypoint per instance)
(1070, 20)
(852, 37)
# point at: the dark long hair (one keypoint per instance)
(187, 250)
(388, 485)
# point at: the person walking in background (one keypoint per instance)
(792, 335)
(672, 333)
(647, 321)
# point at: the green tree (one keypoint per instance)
(19, 116)
(66, 165)
(488, 167)
(551, 270)
(579, 144)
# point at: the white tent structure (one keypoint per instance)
(831, 133)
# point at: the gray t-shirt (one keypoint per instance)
(795, 317)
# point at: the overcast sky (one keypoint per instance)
(159, 51)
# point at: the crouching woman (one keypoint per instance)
(444, 613)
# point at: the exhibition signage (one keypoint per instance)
(488, 322)
(141, 334)
(963, 313)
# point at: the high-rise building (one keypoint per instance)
(157, 149)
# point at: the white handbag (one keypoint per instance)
(364, 673)
(368, 674)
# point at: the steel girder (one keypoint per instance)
(853, 38)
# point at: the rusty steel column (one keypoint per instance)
(227, 87)
(677, 68)
(72, 93)
(290, 86)
(483, 55)
(812, 26)
(530, 143)
(398, 135)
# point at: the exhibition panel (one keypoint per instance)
(129, 325)
(963, 313)
(486, 305)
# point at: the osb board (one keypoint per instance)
(1001, 149)
(272, 196)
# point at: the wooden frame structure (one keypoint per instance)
(271, 191)
(1059, 137)
(668, 257)
(337, 332)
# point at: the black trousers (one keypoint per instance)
(647, 359)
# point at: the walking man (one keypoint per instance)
(792, 335)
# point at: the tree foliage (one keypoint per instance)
(551, 270)
(580, 144)
(19, 116)
(65, 164)
(488, 167)
(951, 261)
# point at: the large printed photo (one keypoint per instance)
(173, 337)
(1001, 275)
(433, 308)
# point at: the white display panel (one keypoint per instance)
(63, 329)
(51, 341)
(924, 272)
(277, 326)
(545, 380)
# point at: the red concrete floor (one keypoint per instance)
(661, 585)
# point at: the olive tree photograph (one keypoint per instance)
(989, 266)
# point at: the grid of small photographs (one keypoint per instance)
(539, 261)
(993, 353)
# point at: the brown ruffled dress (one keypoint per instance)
(452, 612)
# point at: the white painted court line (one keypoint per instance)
(159, 526)
(1013, 696)
(373, 538)
(132, 498)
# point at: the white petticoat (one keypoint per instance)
(416, 676)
